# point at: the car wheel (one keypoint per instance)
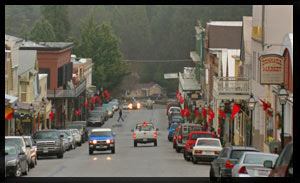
(174, 145)
(26, 169)
(32, 164)
(135, 144)
(113, 150)
(60, 155)
(18, 172)
(211, 175)
(35, 161)
(185, 157)
(79, 144)
(194, 160)
(155, 143)
(90, 152)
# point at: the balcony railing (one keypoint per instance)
(69, 93)
(231, 85)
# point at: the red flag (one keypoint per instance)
(51, 115)
(93, 99)
(265, 105)
(102, 95)
(106, 93)
(86, 104)
(196, 113)
(181, 100)
(97, 98)
(188, 112)
(79, 111)
(219, 130)
(211, 115)
(76, 113)
(222, 113)
(204, 112)
(9, 116)
(235, 110)
(177, 94)
(182, 112)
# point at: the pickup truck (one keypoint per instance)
(144, 133)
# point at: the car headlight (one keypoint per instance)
(12, 162)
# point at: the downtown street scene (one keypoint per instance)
(177, 91)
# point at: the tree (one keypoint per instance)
(58, 16)
(42, 31)
(99, 43)
(24, 32)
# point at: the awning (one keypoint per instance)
(10, 98)
(189, 84)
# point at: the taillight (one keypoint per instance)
(155, 134)
(228, 164)
(243, 170)
(216, 152)
(179, 138)
(198, 151)
(134, 135)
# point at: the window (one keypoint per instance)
(254, 66)
(225, 153)
(23, 92)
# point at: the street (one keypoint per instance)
(144, 160)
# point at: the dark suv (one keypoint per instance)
(49, 143)
(228, 157)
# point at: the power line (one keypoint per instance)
(160, 61)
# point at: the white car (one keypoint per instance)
(144, 133)
(77, 136)
(174, 110)
(251, 165)
(206, 149)
(33, 150)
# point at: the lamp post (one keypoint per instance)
(282, 95)
(232, 123)
(15, 115)
(54, 111)
(222, 107)
(64, 116)
(31, 111)
(251, 105)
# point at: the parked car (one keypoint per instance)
(206, 149)
(95, 119)
(176, 118)
(174, 110)
(228, 157)
(103, 111)
(156, 96)
(115, 104)
(101, 139)
(71, 138)
(170, 104)
(251, 165)
(49, 143)
(172, 131)
(80, 128)
(66, 140)
(109, 109)
(284, 164)
(77, 136)
(194, 135)
(33, 150)
(183, 133)
(22, 145)
(85, 129)
(16, 162)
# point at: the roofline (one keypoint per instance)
(45, 48)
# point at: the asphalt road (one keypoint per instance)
(144, 160)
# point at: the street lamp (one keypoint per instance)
(31, 111)
(282, 95)
(15, 115)
(54, 111)
(251, 105)
(232, 123)
(65, 109)
(222, 107)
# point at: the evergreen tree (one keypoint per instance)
(58, 16)
(42, 31)
(24, 32)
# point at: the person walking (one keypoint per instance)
(120, 115)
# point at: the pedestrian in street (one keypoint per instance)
(120, 115)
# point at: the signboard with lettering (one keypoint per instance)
(271, 69)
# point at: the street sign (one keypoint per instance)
(271, 69)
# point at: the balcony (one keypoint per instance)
(231, 87)
(69, 93)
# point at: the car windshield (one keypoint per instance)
(27, 140)
(237, 154)
(17, 141)
(145, 128)
(64, 133)
(206, 142)
(67, 132)
(75, 126)
(46, 135)
(197, 135)
(259, 158)
(174, 126)
(175, 110)
(11, 150)
(177, 119)
(94, 115)
(75, 131)
(104, 133)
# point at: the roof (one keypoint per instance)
(224, 36)
(242, 147)
(202, 138)
(11, 98)
(146, 85)
(12, 38)
(29, 45)
(101, 129)
(226, 23)
(26, 61)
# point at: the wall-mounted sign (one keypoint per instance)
(271, 69)
(194, 96)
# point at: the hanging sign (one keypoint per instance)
(271, 69)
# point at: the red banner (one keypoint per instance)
(51, 115)
(265, 105)
(222, 113)
(196, 113)
(176, 94)
(204, 112)
(235, 110)
(181, 100)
